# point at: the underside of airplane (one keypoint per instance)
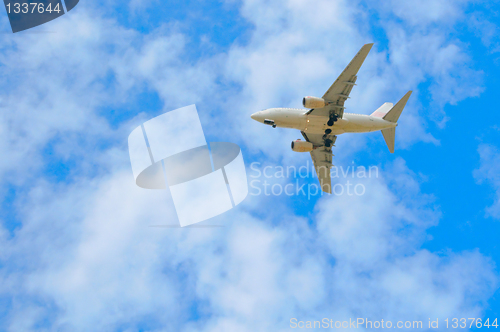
(326, 119)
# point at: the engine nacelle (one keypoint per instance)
(313, 102)
(301, 146)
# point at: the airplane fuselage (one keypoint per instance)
(323, 119)
(297, 118)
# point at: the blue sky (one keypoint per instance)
(77, 252)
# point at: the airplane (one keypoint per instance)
(326, 119)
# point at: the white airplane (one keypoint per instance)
(326, 119)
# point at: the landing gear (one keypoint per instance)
(328, 131)
(333, 119)
(328, 143)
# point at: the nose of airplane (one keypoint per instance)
(257, 116)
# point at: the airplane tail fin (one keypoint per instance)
(392, 116)
(395, 112)
(390, 138)
(382, 110)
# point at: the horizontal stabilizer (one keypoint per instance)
(390, 138)
(395, 112)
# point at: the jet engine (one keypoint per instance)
(301, 146)
(313, 102)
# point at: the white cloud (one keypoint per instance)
(485, 30)
(488, 171)
(424, 13)
(90, 252)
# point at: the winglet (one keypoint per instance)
(358, 59)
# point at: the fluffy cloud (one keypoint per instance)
(101, 266)
(488, 172)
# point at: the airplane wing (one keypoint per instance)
(322, 158)
(341, 88)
